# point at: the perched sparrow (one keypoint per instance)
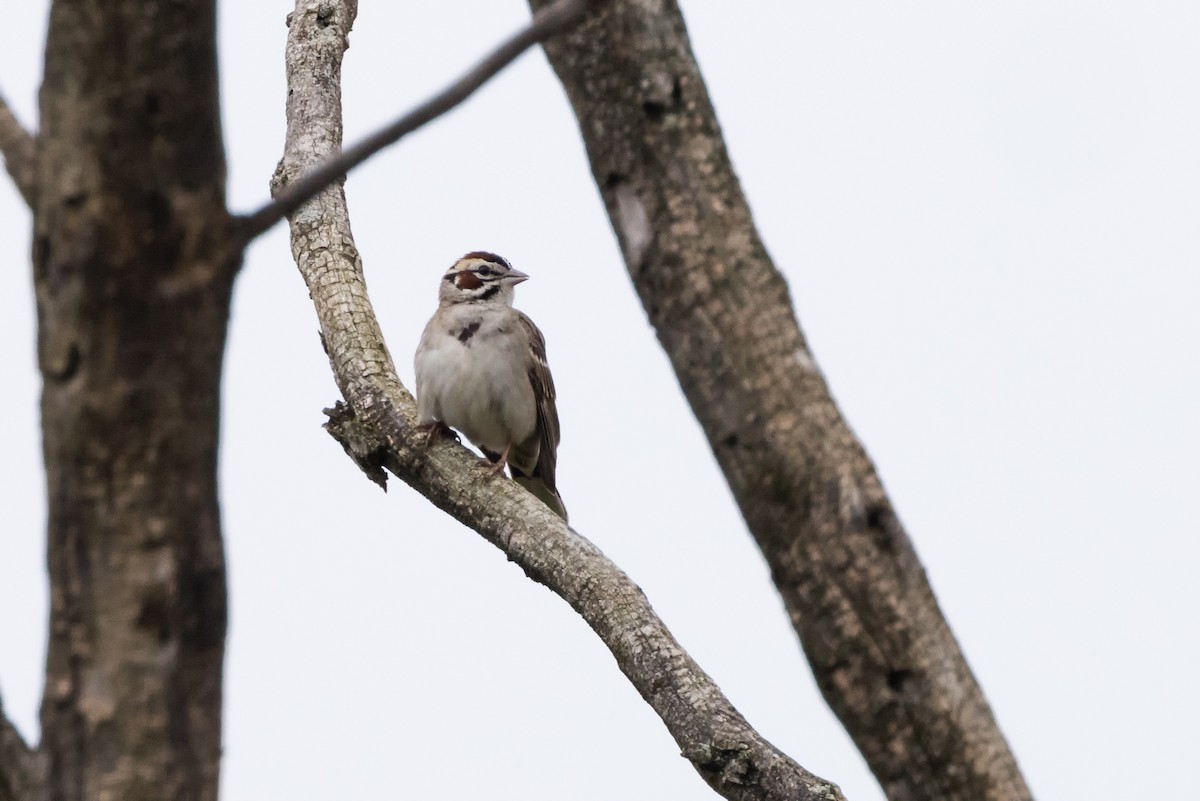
(481, 368)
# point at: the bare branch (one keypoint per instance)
(881, 650)
(18, 147)
(553, 19)
(379, 427)
(19, 774)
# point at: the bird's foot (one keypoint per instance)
(498, 462)
(434, 430)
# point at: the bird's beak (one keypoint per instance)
(515, 277)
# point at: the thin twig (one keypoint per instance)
(554, 19)
(17, 146)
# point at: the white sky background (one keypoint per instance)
(989, 217)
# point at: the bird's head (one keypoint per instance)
(480, 276)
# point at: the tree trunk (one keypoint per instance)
(858, 598)
(133, 281)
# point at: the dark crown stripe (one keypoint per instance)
(488, 256)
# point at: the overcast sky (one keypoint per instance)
(989, 218)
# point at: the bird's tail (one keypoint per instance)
(542, 492)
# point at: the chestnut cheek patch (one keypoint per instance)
(468, 280)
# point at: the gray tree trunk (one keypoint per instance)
(858, 598)
(133, 287)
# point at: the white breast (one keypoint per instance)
(472, 373)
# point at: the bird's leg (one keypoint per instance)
(433, 430)
(498, 463)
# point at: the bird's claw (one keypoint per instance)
(434, 430)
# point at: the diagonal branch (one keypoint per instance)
(554, 19)
(19, 775)
(857, 595)
(18, 147)
(378, 427)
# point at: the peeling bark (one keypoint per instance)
(857, 595)
(133, 281)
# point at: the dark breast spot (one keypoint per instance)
(468, 332)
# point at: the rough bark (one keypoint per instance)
(133, 282)
(857, 595)
(378, 428)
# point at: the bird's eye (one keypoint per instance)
(486, 272)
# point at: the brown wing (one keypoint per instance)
(547, 412)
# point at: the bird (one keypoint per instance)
(481, 369)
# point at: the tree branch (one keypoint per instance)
(19, 773)
(379, 427)
(18, 147)
(553, 19)
(857, 595)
